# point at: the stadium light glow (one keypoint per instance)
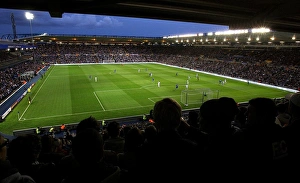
(30, 17)
(231, 32)
(260, 30)
(187, 35)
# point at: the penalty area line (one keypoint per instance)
(151, 100)
(99, 101)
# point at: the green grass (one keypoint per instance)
(67, 95)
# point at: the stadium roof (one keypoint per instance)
(270, 39)
(279, 15)
(249, 37)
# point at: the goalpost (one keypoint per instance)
(197, 96)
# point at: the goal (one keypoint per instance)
(197, 96)
(108, 61)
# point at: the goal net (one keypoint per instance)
(108, 61)
(197, 96)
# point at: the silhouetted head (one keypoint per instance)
(167, 114)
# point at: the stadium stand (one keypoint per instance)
(212, 59)
(280, 65)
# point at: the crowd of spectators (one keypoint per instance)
(10, 74)
(220, 142)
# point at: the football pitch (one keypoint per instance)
(69, 93)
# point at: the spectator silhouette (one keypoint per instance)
(292, 132)
(115, 142)
(265, 147)
(8, 173)
(49, 151)
(87, 148)
(133, 140)
(224, 140)
(67, 164)
(150, 133)
(23, 153)
(90, 122)
(170, 157)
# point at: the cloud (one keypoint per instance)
(91, 21)
(109, 21)
(77, 20)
